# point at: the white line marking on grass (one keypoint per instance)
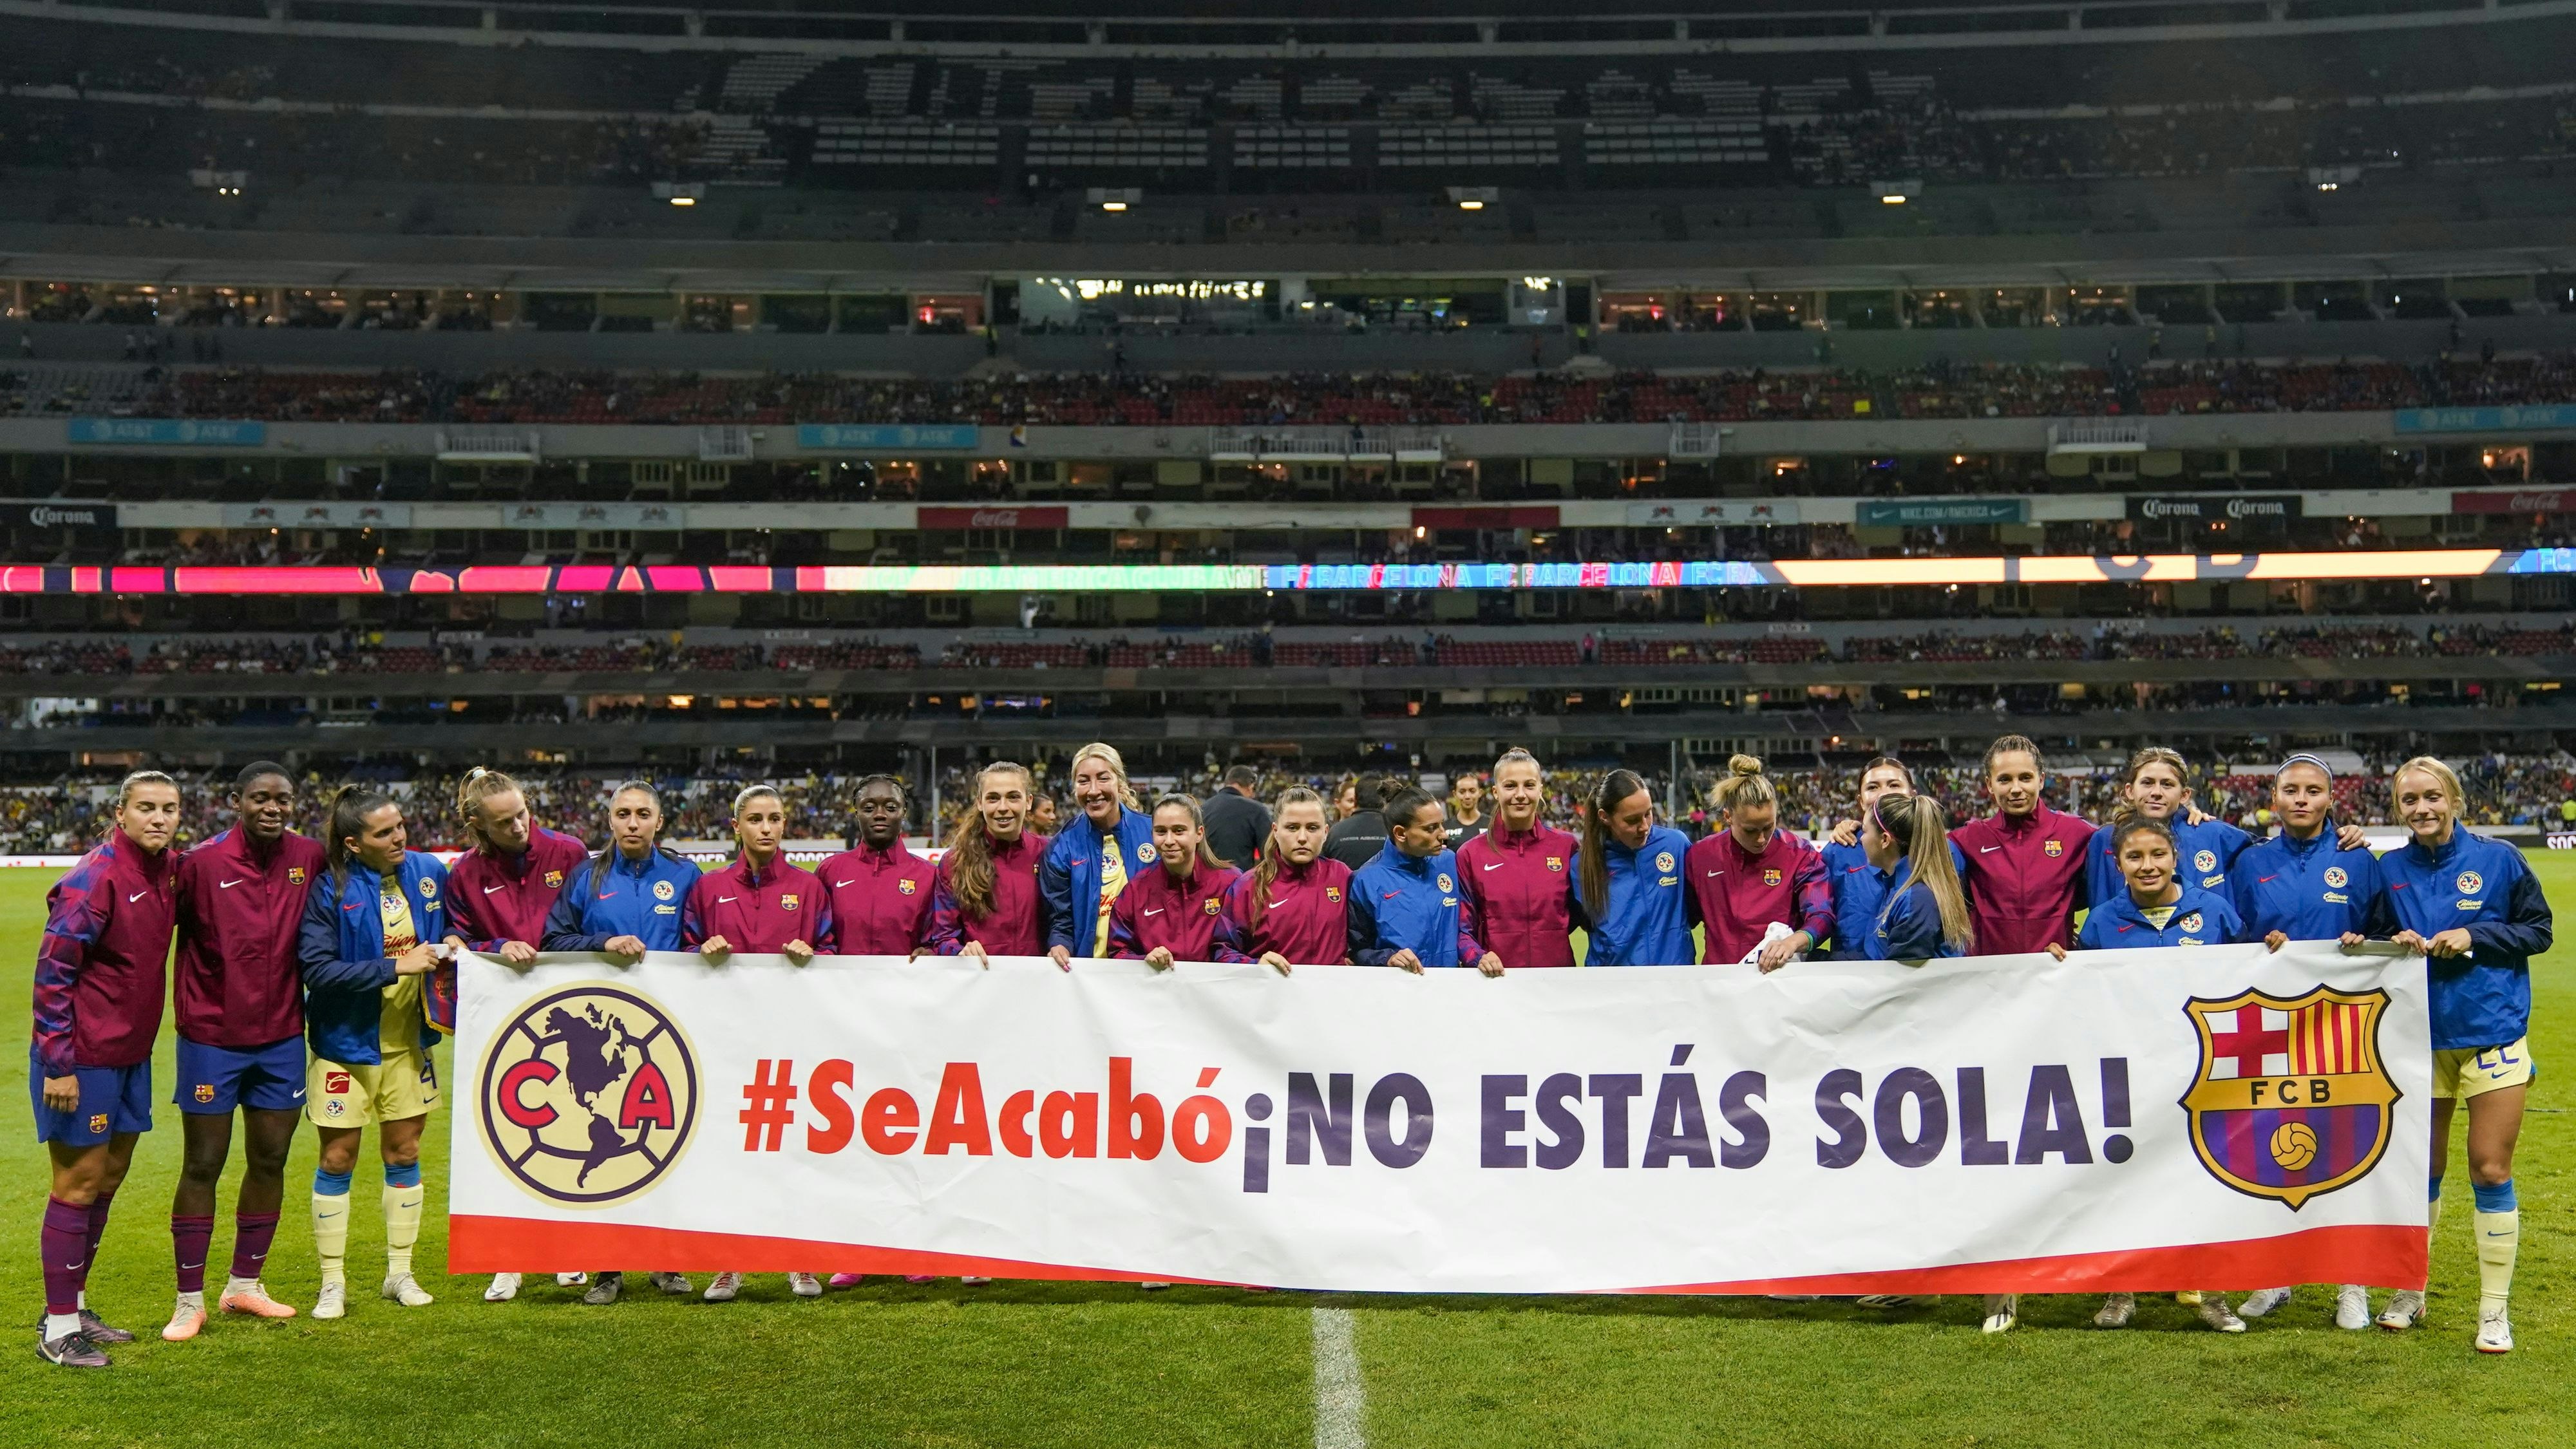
(1339, 1398)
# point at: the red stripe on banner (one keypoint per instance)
(2378, 1254)
(2373, 1253)
(502, 579)
(477, 1244)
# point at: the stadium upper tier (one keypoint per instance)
(2161, 387)
(322, 127)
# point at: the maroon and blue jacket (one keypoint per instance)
(496, 898)
(1307, 919)
(2025, 878)
(880, 900)
(1180, 915)
(757, 911)
(240, 907)
(1519, 891)
(1017, 924)
(1740, 894)
(105, 961)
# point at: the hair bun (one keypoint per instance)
(1745, 764)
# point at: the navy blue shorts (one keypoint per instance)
(213, 1080)
(112, 1100)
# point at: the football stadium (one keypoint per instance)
(1048, 610)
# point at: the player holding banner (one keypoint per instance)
(2306, 884)
(100, 975)
(241, 1038)
(624, 901)
(2475, 910)
(2157, 907)
(1171, 912)
(1761, 890)
(1516, 875)
(765, 904)
(1404, 905)
(987, 900)
(500, 892)
(372, 932)
(1293, 909)
(1091, 860)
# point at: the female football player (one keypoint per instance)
(623, 901)
(1761, 890)
(1635, 909)
(765, 904)
(2156, 909)
(1923, 910)
(2026, 861)
(1086, 866)
(1170, 912)
(1517, 875)
(2305, 884)
(2475, 910)
(986, 900)
(1294, 908)
(374, 927)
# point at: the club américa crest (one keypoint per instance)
(588, 1095)
(2291, 1098)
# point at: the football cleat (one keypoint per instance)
(1885, 1300)
(405, 1290)
(96, 1330)
(845, 1280)
(252, 1298)
(2495, 1330)
(722, 1287)
(72, 1350)
(674, 1283)
(2215, 1312)
(2262, 1302)
(2003, 1310)
(2405, 1310)
(2116, 1311)
(973, 1282)
(333, 1300)
(187, 1319)
(804, 1285)
(571, 1280)
(2352, 1306)
(505, 1286)
(604, 1289)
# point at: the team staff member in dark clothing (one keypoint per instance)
(1237, 821)
(1356, 838)
(1467, 818)
(241, 1037)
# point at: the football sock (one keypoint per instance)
(190, 1239)
(2433, 1211)
(2499, 1228)
(97, 1229)
(64, 1240)
(252, 1235)
(402, 1199)
(331, 1223)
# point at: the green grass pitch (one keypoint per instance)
(1019, 1366)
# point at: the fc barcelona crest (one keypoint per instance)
(2291, 1098)
(2052, 848)
(1771, 875)
(295, 875)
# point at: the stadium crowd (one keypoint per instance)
(1367, 400)
(355, 651)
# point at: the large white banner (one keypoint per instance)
(2216, 1117)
